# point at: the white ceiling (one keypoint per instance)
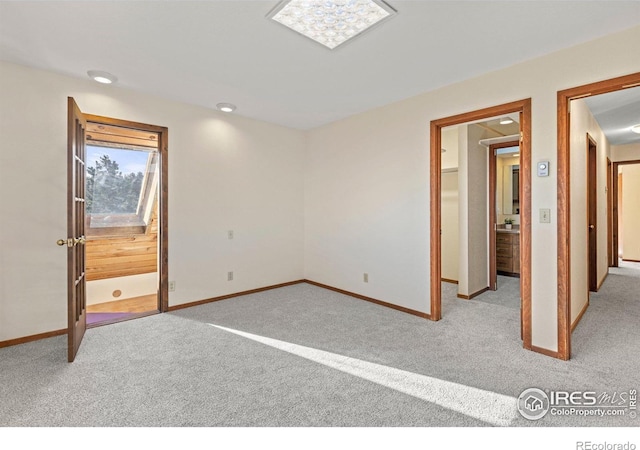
(616, 112)
(206, 52)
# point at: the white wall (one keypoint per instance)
(366, 188)
(630, 217)
(449, 141)
(367, 184)
(449, 206)
(583, 122)
(101, 291)
(628, 152)
(473, 209)
(225, 173)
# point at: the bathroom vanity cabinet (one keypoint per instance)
(508, 252)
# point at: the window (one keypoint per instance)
(121, 184)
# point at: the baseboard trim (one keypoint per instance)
(372, 300)
(447, 280)
(475, 294)
(35, 337)
(603, 280)
(631, 260)
(228, 296)
(546, 352)
(577, 321)
(509, 274)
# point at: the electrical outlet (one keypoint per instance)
(172, 286)
(365, 277)
(229, 276)
(230, 234)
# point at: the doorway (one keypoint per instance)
(620, 203)
(504, 209)
(566, 273)
(523, 110)
(121, 223)
(114, 210)
(127, 248)
(592, 211)
(610, 231)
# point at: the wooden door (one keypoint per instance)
(493, 219)
(592, 213)
(609, 213)
(76, 288)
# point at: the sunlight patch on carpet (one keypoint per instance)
(490, 407)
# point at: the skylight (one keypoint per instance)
(330, 22)
(120, 189)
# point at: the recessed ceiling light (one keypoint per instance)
(506, 121)
(226, 107)
(330, 22)
(102, 77)
(636, 128)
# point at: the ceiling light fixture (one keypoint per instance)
(102, 77)
(226, 107)
(506, 121)
(516, 155)
(330, 22)
(636, 128)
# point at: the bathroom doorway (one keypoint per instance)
(479, 127)
(504, 209)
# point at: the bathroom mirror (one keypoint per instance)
(508, 182)
(511, 189)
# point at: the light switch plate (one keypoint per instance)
(545, 216)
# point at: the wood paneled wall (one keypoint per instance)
(121, 256)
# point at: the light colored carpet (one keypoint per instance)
(507, 294)
(376, 367)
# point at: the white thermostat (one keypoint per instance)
(543, 169)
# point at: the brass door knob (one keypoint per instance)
(72, 242)
(67, 242)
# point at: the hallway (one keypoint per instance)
(610, 325)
